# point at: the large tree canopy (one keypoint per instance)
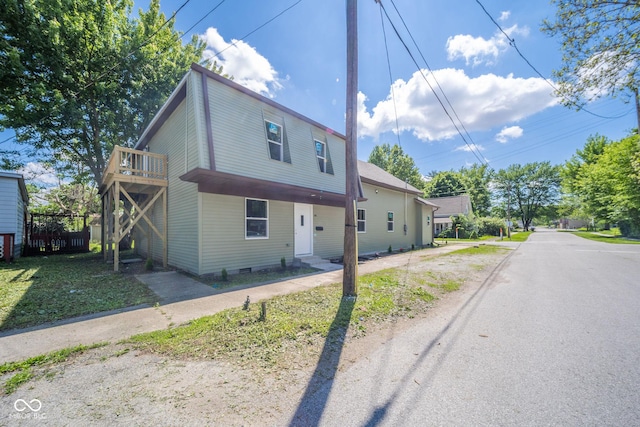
(604, 178)
(399, 164)
(476, 179)
(444, 184)
(601, 48)
(79, 77)
(528, 189)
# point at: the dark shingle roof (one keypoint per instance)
(372, 174)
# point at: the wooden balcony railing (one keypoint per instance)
(126, 164)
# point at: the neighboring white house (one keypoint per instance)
(448, 207)
(250, 181)
(14, 202)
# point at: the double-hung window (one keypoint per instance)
(256, 219)
(389, 221)
(362, 221)
(321, 154)
(274, 140)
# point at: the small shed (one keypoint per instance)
(14, 202)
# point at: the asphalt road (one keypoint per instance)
(552, 338)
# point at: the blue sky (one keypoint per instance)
(299, 61)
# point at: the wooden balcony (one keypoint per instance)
(133, 183)
(138, 171)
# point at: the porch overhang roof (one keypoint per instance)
(216, 182)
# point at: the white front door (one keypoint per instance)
(303, 229)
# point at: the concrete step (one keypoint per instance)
(316, 262)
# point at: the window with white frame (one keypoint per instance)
(256, 219)
(321, 154)
(362, 221)
(274, 140)
(389, 221)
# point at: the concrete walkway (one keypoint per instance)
(183, 299)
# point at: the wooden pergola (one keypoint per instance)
(138, 179)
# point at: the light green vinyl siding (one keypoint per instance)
(182, 198)
(241, 147)
(377, 238)
(223, 235)
(197, 148)
(328, 242)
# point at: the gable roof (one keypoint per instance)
(452, 205)
(180, 93)
(372, 174)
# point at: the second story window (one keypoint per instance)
(274, 140)
(321, 154)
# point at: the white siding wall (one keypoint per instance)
(12, 210)
(9, 195)
(223, 235)
(241, 146)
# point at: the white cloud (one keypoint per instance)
(478, 50)
(504, 15)
(243, 62)
(470, 148)
(508, 133)
(482, 103)
(40, 175)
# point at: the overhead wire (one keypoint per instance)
(512, 43)
(480, 159)
(258, 28)
(134, 50)
(203, 18)
(393, 95)
(472, 148)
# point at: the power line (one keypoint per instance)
(393, 95)
(471, 148)
(258, 28)
(512, 43)
(203, 18)
(437, 82)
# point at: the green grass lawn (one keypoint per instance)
(297, 322)
(610, 237)
(36, 290)
(519, 236)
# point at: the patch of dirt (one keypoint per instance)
(114, 386)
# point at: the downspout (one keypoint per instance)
(405, 207)
(433, 224)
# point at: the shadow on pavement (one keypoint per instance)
(315, 397)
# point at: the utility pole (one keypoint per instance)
(350, 258)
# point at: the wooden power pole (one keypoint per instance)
(350, 271)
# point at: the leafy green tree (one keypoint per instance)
(573, 203)
(476, 180)
(600, 48)
(528, 189)
(79, 77)
(610, 187)
(399, 164)
(446, 183)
